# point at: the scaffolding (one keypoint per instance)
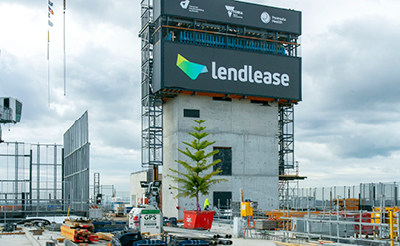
(287, 182)
(30, 180)
(152, 105)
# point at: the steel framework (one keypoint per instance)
(30, 180)
(152, 105)
(286, 137)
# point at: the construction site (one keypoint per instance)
(236, 68)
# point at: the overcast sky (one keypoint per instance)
(346, 127)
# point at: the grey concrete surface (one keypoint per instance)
(10, 240)
(249, 129)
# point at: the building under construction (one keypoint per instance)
(235, 65)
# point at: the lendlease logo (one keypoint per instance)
(232, 12)
(246, 74)
(242, 74)
(191, 69)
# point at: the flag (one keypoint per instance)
(50, 23)
(51, 11)
(50, 3)
(65, 6)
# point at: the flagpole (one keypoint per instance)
(49, 23)
(65, 66)
(48, 66)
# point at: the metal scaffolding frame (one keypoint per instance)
(286, 137)
(152, 105)
(30, 180)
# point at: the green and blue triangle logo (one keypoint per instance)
(191, 69)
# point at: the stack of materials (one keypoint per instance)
(78, 231)
(352, 204)
(265, 224)
(347, 204)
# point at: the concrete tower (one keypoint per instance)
(247, 138)
(233, 64)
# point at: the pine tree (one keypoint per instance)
(194, 181)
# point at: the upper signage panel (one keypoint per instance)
(207, 69)
(232, 12)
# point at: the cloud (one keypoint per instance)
(350, 90)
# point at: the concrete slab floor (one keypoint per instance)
(10, 240)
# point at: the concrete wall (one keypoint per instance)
(249, 129)
(136, 191)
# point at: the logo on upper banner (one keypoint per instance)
(191, 8)
(185, 4)
(191, 69)
(233, 13)
(245, 73)
(266, 18)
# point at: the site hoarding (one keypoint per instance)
(232, 12)
(210, 69)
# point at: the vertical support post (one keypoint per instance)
(337, 216)
(395, 194)
(308, 219)
(397, 224)
(30, 177)
(16, 174)
(63, 181)
(360, 227)
(382, 216)
(287, 208)
(55, 173)
(38, 179)
(391, 227)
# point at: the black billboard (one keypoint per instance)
(210, 69)
(232, 12)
